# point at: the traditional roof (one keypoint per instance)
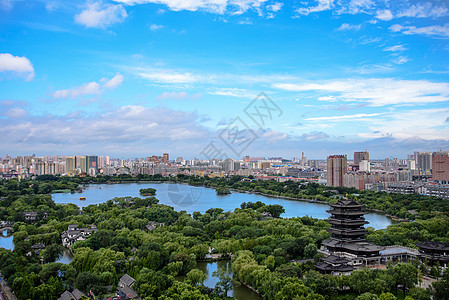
(333, 259)
(323, 266)
(435, 246)
(66, 296)
(361, 246)
(78, 294)
(38, 246)
(347, 203)
(127, 280)
(128, 292)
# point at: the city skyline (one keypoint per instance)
(132, 77)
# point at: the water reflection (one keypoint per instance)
(6, 238)
(100, 193)
(66, 257)
(238, 291)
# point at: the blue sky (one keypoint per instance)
(132, 78)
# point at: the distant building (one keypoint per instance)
(364, 166)
(359, 156)
(336, 168)
(411, 165)
(440, 166)
(165, 158)
(70, 164)
(92, 162)
(424, 160)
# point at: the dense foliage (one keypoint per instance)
(262, 247)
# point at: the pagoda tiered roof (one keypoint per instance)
(347, 222)
(346, 212)
(347, 203)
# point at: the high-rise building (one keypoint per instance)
(336, 168)
(424, 160)
(364, 166)
(81, 162)
(100, 162)
(359, 156)
(230, 165)
(165, 158)
(440, 166)
(411, 165)
(70, 164)
(91, 162)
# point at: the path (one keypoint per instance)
(6, 290)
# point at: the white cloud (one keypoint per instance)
(315, 135)
(169, 77)
(178, 96)
(355, 7)
(401, 60)
(233, 92)
(127, 128)
(277, 6)
(51, 6)
(155, 27)
(411, 123)
(98, 15)
(376, 91)
(346, 26)
(114, 82)
(396, 48)
(384, 15)
(16, 112)
(90, 88)
(18, 65)
(355, 117)
(321, 5)
(274, 136)
(436, 30)
(6, 5)
(424, 10)
(213, 6)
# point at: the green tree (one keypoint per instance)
(196, 277)
(440, 288)
(367, 296)
(51, 253)
(405, 274)
(224, 283)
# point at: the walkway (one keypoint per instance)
(6, 290)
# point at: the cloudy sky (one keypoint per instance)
(132, 78)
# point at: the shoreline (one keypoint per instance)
(378, 211)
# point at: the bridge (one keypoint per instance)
(4, 227)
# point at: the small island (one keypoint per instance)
(147, 192)
(223, 191)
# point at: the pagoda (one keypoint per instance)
(348, 237)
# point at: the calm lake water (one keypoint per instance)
(190, 199)
(238, 291)
(66, 257)
(6, 240)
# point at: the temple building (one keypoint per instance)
(348, 250)
(434, 253)
(347, 240)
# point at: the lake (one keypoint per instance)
(190, 199)
(6, 240)
(238, 291)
